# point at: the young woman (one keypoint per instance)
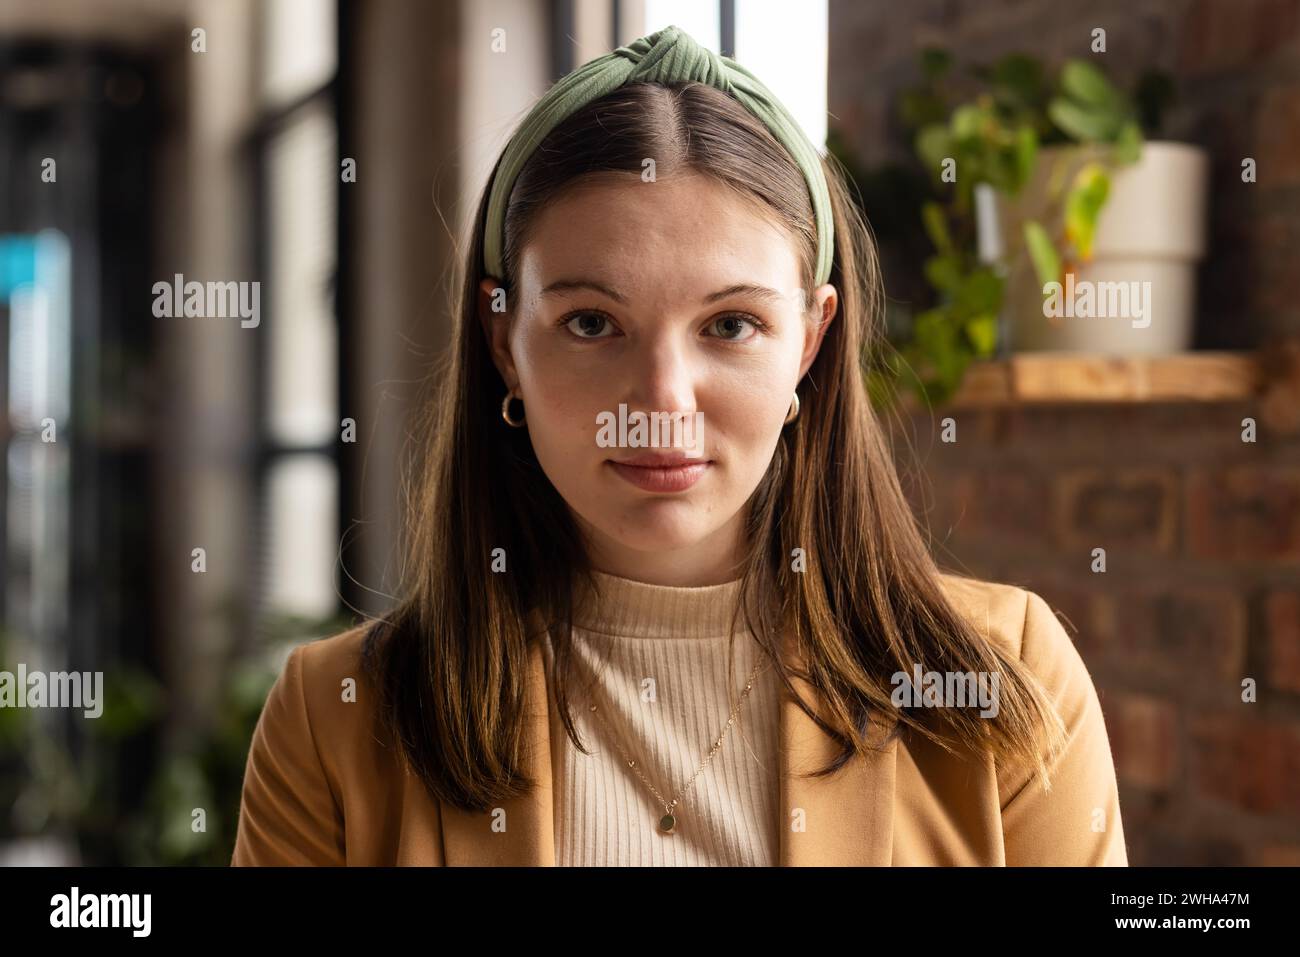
(730, 646)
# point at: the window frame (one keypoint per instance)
(270, 450)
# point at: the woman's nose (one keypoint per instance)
(663, 377)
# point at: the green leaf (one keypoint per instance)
(1047, 263)
(929, 328)
(967, 122)
(950, 374)
(1128, 143)
(981, 292)
(944, 272)
(1001, 168)
(1087, 84)
(1026, 155)
(936, 227)
(933, 145)
(982, 331)
(1083, 205)
(1086, 126)
(921, 108)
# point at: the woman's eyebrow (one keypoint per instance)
(565, 285)
(746, 289)
(736, 289)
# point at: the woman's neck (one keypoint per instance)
(710, 561)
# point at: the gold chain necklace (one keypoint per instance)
(669, 820)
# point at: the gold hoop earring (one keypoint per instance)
(505, 410)
(794, 410)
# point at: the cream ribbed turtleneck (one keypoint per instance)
(655, 659)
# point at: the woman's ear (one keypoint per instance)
(824, 306)
(494, 316)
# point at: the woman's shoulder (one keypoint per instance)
(312, 754)
(323, 706)
(1022, 624)
(337, 655)
(1019, 621)
(329, 677)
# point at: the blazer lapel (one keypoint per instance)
(845, 819)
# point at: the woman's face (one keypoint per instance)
(673, 297)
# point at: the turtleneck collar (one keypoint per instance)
(633, 609)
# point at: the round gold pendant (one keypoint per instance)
(667, 823)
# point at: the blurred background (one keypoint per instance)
(183, 498)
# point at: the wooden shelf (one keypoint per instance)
(1040, 377)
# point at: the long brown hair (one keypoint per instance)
(451, 660)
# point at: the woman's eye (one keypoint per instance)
(588, 325)
(733, 328)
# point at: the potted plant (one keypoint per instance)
(1032, 181)
(1099, 246)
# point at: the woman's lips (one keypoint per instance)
(662, 476)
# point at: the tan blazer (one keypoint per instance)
(323, 785)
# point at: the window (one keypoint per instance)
(297, 176)
(35, 292)
(760, 34)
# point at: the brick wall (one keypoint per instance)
(1201, 590)
(1201, 530)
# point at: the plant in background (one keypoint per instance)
(69, 787)
(993, 141)
(126, 793)
(207, 769)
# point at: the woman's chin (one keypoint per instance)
(661, 532)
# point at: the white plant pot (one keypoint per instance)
(1137, 295)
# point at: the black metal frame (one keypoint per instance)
(562, 21)
(349, 477)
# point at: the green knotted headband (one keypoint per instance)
(667, 56)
